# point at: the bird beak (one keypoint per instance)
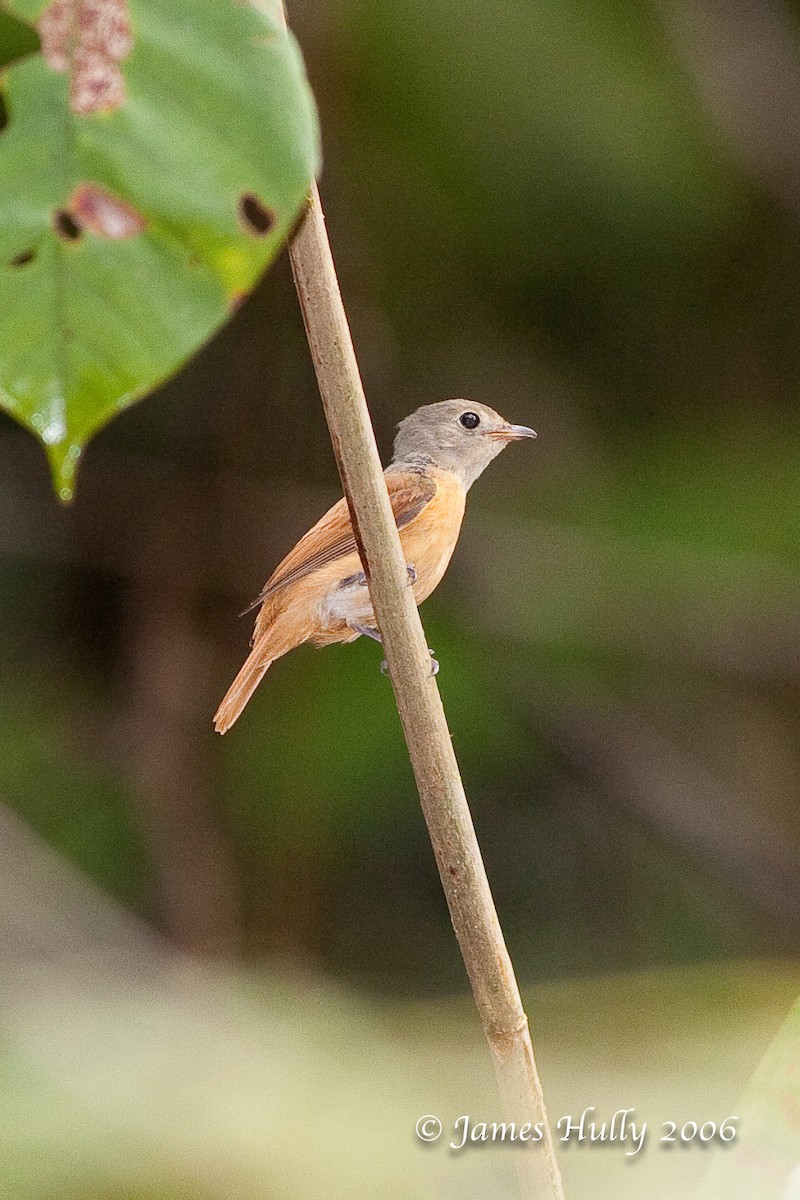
(512, 433)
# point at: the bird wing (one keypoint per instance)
(332, 537)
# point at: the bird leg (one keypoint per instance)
(360, 579)
(369, 632)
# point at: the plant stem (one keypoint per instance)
(430, 748)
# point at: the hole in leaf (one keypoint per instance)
(66, 226)
(256, 217)
(22, 260)
(17, 40)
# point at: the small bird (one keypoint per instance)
(319, 593)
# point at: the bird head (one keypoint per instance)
(458, 435)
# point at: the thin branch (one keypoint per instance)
(433, 759)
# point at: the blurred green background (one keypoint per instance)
(586, 216)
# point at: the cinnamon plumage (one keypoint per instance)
(319, 594)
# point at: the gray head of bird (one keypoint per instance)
(458, 435)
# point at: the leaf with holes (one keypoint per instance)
(153, 160)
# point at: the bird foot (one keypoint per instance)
(434, 665)
(357, 580)
(360, 578)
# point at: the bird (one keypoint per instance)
(319, 593)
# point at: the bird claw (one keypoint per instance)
(434, 665)
(358, 580)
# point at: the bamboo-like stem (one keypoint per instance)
(433, 759)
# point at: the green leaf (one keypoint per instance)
(155, 157)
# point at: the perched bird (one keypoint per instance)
(319, 592)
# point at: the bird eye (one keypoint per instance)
(470, 420)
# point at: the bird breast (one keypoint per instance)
(428, 543)
(429, 540)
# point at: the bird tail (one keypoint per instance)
(273, 638)
(240, 691)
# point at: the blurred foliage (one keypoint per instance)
(128, 1073)
(540, 129)
(534, 205)
(764, 1162)
(550, 208)
(129, 230)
